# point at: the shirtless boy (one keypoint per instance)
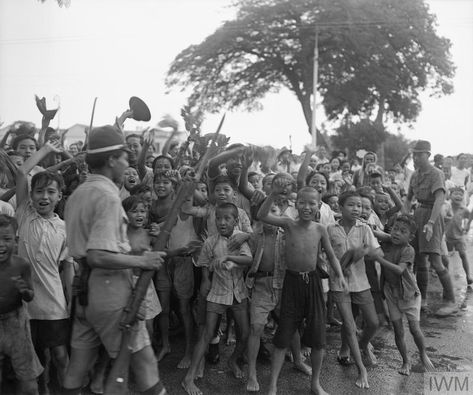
(302, 295)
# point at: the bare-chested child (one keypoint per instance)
(302, 295)
(15, 287)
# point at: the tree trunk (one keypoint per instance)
(379, 122)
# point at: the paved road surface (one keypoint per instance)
(449, 341)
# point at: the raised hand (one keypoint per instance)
(54, 146)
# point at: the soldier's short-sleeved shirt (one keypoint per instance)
(423, 185)
(95, 220)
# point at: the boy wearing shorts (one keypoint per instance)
(227, 290)
(350, 236)
(15, 287)
(401, 291)
(42, 242)
(302, 294)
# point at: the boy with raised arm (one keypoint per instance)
(302, 295)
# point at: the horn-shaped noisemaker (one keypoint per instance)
(140, 109)
(41, 104)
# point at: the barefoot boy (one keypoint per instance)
(350, 236)
(228, 290)
(302, 295)
(401, 291)
(15, 287)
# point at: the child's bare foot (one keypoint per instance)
(200, 369)
(317, 389)
(190, 387)
(368, 356)
(164, 351)
(428, 365)
(252, 385)
(362, 380)
(405, 369)
(303, 367)
(185, 362)
(237, 372)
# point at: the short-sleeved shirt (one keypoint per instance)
(360, 235)
(42, 242)
(257, 243)
(226, 284)
(424, 184)
(95, 220)
(404, 286)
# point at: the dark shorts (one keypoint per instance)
(15, 342)
(302, 298)
(177, 274)
(49, 333)
(457, 245)
(420, 243)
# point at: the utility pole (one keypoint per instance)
(314, 93)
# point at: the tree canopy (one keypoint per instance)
(375, 58)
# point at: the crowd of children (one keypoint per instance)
(303, 245)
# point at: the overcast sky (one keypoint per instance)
(114, 49)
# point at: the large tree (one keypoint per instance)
(375, 57)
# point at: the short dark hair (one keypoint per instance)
(346, 195)
(173, 166)
(327, 197)
(288, 176)
(267, 176)
(456, 188)
(136, 136)
(228, 206)
(364, 192)
(376, 174)
(45, 178)
(22, 137)
(140, 189)
(98, 161)
(131, 202)
(224, 180)
(252, 174)
(460, 154)
(6, 221)
(313, 173)
(408, 220)
(307, 190)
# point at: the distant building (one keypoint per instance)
(77, 133)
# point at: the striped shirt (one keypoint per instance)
(360, 235)
(226, 284)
